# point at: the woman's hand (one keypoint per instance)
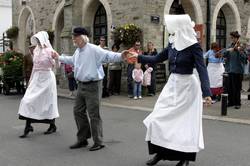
(132, 58)
(55, 55)
(208, 101)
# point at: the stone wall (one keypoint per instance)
(62, 15)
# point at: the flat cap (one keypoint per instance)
(79, 31)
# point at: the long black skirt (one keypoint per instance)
(172, 155)
(48, 121)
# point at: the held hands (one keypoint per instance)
(55, 55)
(129, 57)
(207, 101)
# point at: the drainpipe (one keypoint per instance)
(208, 24)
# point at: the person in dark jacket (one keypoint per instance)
(235, 60)
(151, 51)
(174, 128)
(28, 64)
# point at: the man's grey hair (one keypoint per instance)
(85, 38)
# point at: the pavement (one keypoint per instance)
(226, 144)
(212, 112)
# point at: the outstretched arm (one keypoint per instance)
(162, 56)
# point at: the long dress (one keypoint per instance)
(215, 70)
(174, 128)
(40, 99)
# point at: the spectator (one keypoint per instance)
(130, 68)
(71, 79)
(137, 75)
(105, 93)
(235, 60)
(28, 64)
(115, 70)
(151, 51)
(147, 77)
(215, 71)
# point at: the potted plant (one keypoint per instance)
(127, 34)
(12, 32)
(11, 63)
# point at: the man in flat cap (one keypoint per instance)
(87, 61)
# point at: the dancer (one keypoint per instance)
(174, 128)
(39, 104)
(88, 71)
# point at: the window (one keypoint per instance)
(100, 24)
(221, 28)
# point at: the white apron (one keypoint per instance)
(215, 72)
(40, 99)
(176, 121)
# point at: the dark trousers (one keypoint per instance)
(130, 81)
(72, 84)
(234, 88)
(87, 111)
(152, 87)
(114, 81)
(105, 82)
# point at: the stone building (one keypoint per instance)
(99, 16)
(5, 18)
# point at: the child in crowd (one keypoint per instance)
(137, 76)
(147, 77)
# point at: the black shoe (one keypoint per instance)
(154, 160)
(96, 147)
(79, 144)
(183, 163)
(51, 129)
(26, 131)
(237, 107)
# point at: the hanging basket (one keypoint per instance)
(12, 32)
(127, 34)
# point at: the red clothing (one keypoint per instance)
(68, 68)
(139, 52)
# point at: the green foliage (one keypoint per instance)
(12, 32)
(127, 34)
(12, 63)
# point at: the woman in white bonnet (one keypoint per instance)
(174, 128)
(39, 104)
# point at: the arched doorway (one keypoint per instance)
(57, 32)
(221, 30)
(226, 18)
(97, 19)
(177, 8)
(26, 24)
(100, 24)
(191, 7)
(57, 27)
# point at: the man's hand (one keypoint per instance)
(125, 54)
(208, 101)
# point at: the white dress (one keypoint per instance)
(170, 125)
(40, 99)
